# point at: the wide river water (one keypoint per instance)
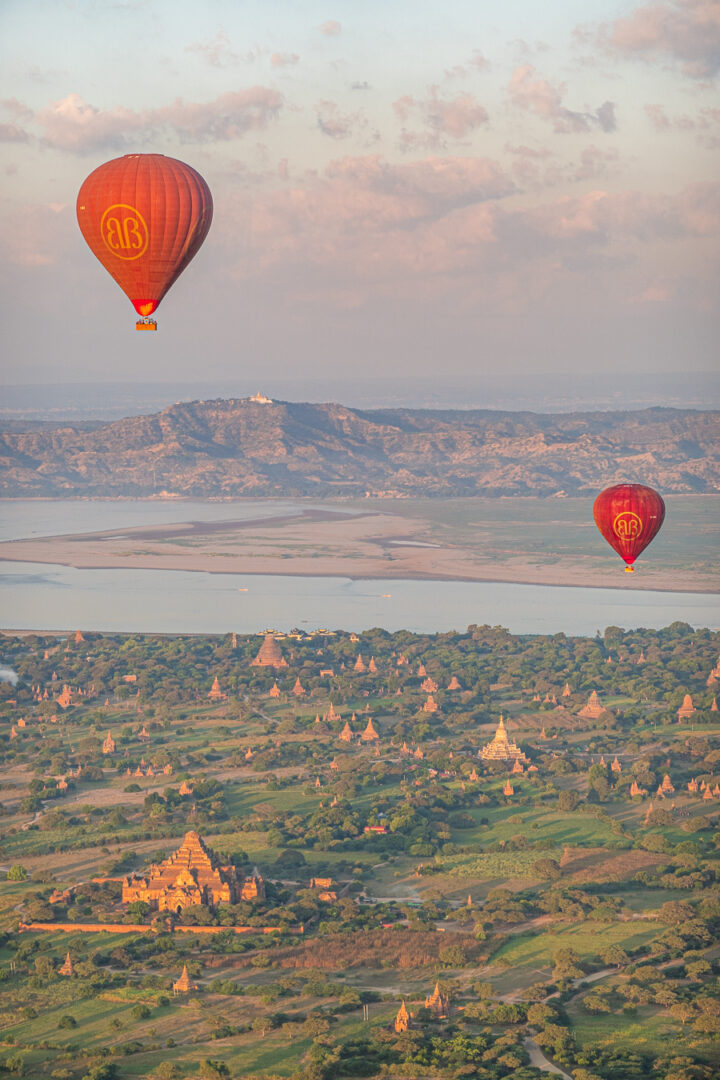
(50, 597)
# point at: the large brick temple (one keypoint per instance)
(192, 875)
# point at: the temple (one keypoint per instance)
(685, 711)
(369, 734)
(402, 1020)
(108, 747)
(67, 968)
(184, 984)
(215, 693)
(191, 875)
(269, 654)
(438, 1003)
(593, 709)
(501, 749)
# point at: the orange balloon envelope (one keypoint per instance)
(629, 516)
(144, 216)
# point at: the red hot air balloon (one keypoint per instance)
(144, 216)
(629, 516)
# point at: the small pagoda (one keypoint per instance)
(184, 984)
(269, 654)
(372, 666)
(402, 1020)
(67, 968)
(454, 684)
(686, 710)
(508, 790)
(347, 734)
(360, 664)
(369, 734)
(429, 685)
(593, 709)
(501, 749)
(274, 691)
(79, 639)
(431, 705)
(215, 693)
(108, 747)
(298, 689)
(567, 691)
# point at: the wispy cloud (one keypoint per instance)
(75, 126)
(337, 124)
(331, 28)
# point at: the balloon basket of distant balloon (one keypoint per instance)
(146, 324)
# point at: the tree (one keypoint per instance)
(17, 873)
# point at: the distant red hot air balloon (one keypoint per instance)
(144, 216)
(629, 516)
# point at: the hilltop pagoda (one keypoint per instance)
(501, 749)
(192, 875)
(269, 654)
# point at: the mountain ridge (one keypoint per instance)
(241, 447)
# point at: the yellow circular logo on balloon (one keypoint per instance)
(124, 231)
(627, 525)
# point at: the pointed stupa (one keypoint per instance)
(402, 1020)
(593, 709)
(370, 734)
(372, 666)
(79, 637)
(347, 734)
(567, 691)
(298, 688)
(360, 664)
(67, 968)
(686, 710)
(269, 654)
(184, 984)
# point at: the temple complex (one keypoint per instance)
(191, 875)
(686, 710)
(269, 654)
(402, 1020)
(438, 1003)
(501, 749)
(65, 698)
(593, 709)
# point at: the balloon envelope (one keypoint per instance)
(629, 516)
(144, 216)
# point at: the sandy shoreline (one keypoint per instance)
(367, 544)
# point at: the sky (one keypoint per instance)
(412, 190)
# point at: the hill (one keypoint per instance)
(243, 447)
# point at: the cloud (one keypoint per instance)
(216, 52)
(538, 96)
(706, 123)
(331, 28)
(685, 31)
(340, 125)
(12, 133)
(75, 126)
(360, 85)
(283, 59)
(442, 118)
